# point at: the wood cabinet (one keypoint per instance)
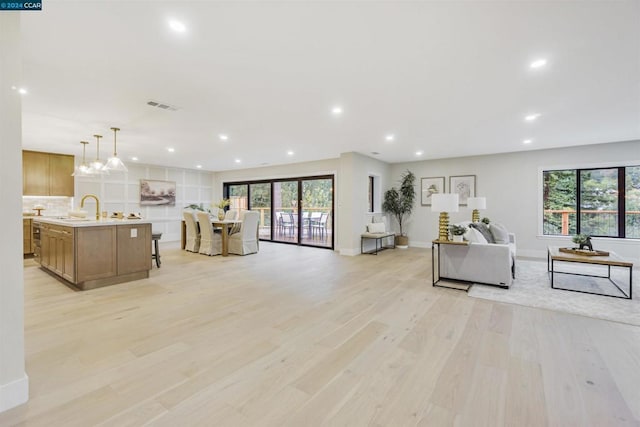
(57, 251)
(97, 255)
(47, 174)
(27, 236)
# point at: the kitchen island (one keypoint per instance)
(88, 254)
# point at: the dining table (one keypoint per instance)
(224, 224)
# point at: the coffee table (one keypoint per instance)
(612, 260)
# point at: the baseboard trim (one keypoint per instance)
(350, 252)
(14, 393)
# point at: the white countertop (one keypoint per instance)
(88, 222)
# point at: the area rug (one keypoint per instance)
(532, 288)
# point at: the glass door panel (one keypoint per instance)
(260, 200)
(238, 197)
(317, 212)
(285, 208)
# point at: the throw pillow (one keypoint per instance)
(474, 236)
(376, 227)
(484, 230)
(499, 232)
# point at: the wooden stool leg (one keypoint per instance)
(157, 254)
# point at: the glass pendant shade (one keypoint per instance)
(97, 166)
(114, 163)
(83, 169)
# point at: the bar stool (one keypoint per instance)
(155, 237)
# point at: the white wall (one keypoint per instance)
(14, 383)
(512, 185)
(121, 192)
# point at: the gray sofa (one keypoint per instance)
(487, 263)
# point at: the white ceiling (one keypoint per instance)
(447, 78)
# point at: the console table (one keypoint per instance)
(612, 260)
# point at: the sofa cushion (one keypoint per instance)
(500, 233)
(484, 230)
(474, 236)
(376, 227)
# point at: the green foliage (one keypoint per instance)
(457, 230)
(485, 220)
(400, 202)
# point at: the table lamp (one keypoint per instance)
(477, 204)
(444, 203)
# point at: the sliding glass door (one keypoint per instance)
(297, 210)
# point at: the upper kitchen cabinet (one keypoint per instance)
(47, 174)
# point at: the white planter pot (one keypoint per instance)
(458, 238)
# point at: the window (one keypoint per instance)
(371, 205)
(601, 202)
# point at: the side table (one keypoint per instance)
(464, 286)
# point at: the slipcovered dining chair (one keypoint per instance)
(246, 240)
(231, 215)
(193, 235)
(210, 242)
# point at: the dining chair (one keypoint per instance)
(231, 215)
(246, 240)
(288, 223)
(320, 225)
(210, 242)
(193, 235)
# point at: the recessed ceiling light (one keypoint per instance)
(135, 159)
(419, 153)
(199, 166)
(337, 110)
(290, 153)
(177, 26)
(532, 117)
(538, 63)
(390, 137)
(171, 150)
(527, 141)
(223, 137)
(237, 160)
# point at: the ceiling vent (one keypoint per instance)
(162, 106)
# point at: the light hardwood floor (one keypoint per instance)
(303, 337)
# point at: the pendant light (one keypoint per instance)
(83, 169)
(114, 163)
(97, 167)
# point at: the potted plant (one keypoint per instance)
(485, 220)
(457, 231)
(399, 203)
(221, 205)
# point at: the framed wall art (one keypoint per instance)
(429, 187)
(464, 186)
(157, 193)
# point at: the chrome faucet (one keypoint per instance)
(97, 204)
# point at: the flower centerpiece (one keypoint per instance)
(222, 204)
(457, 231)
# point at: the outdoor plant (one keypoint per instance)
(579, 239)
(399, 202)
(457, 230)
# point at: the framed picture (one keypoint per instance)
(430, 186)
(464, 186)
(156, 193)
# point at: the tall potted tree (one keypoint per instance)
(399, 203)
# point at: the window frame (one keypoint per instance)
(621, 166)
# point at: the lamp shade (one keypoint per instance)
(477, 203)
(444, 202)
